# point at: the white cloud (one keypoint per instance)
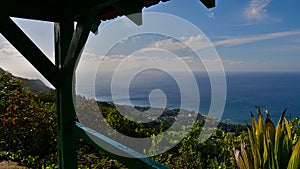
(139, 61)
(90, 56)
(250, 39)
(194, 42)
(226, 62)
(128, 65)
(199, 42)
(167, 44)
(232, 62)
(211, 15)
(144, 57)
(7, 51)
(256, 10)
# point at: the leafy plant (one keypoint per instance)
(271, 147)
(28, 135)
(27, 124)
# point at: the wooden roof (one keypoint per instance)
(69, 10)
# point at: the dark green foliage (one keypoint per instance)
(91, 158)
(216, 152)
(36, 85)
(28, 132)
(271, 147)
(112, 117)
(48, 96)
(27, 125)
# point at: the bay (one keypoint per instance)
(274, 91)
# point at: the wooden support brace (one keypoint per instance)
(29, 50)
(79, 39)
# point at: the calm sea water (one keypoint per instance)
(275, 91)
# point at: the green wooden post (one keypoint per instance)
(68, 47)
(66, 142)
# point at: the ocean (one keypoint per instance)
(272, 90)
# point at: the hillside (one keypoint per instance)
(28, 133)
(34, 85)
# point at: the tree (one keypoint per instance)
(26, 123)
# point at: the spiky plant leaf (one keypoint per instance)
(294, 162)
(286, 150)
(260, 130)
(254, 124)
(239, 159)
(270, 128)
(279, 138)
(254, 148)
(273, 159)
(270, 147)
(258, 157)
(265, 153)
(247, 161)
(288, 128)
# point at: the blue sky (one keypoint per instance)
(249, 35)
(270, 28)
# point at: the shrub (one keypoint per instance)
(271, 147)
(27, 125)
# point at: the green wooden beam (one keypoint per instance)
(66, 141)
(63, 33)
(68, 47)
(79, 39)
(29, 50)
(133, 159)
(68, 50)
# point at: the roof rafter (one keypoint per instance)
(68, 10)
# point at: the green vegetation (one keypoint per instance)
(28, 135)
(271, 147)
(27, 123)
